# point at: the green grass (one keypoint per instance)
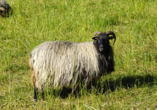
(131, 86)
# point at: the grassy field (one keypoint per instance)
(133, 85)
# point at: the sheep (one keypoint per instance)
(5, 8)
(64, 64)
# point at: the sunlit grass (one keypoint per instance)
(131, 86)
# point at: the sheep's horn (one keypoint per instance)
(113, 35)
(96, 33)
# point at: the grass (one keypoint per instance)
(131, 86)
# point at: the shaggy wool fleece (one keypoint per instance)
(61, 63)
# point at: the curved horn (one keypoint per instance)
(96, 33)
(113, 35)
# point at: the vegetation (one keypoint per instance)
(131, 86)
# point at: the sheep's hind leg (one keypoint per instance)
(43, 95)
(35, 93)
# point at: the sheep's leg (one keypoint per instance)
(43, 95)
(33, 83)
(35, 93)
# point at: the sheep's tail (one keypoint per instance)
(32, 71)
(32, 76)
(33, 81)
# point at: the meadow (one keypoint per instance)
(133, 84)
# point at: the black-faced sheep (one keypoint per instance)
(5, 8)
(59, 63)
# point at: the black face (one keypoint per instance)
(101, 42)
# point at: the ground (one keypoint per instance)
(131, 86)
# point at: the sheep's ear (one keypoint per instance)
(95, 38)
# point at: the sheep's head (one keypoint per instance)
(101, 40)
(5, 9)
